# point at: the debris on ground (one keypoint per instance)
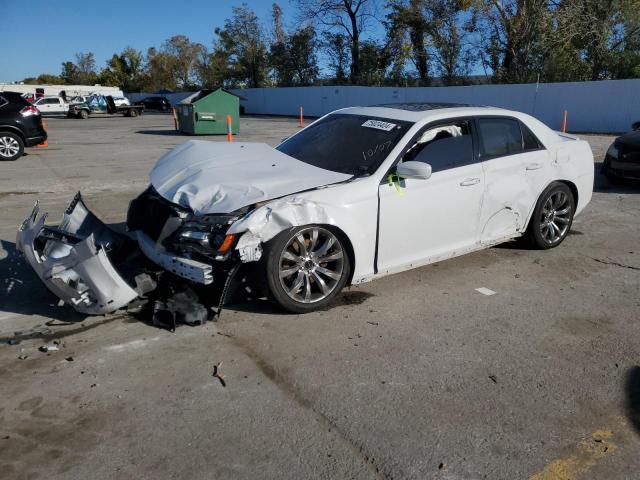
(34, 332)
(69, 359)
(493, 378)
(373, 323)
(49, 348)
(485, 291)
(218, 375)
(23, 357)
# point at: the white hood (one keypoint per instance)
(220, 177)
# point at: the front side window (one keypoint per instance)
(351, 144)
(499, 137)
(444, 146)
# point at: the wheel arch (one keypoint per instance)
(17, 131)
(572, 186)
(347, 243)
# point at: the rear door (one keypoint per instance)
(517, 168)
(424, 220)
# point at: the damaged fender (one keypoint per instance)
(72, 260)
(267, 221)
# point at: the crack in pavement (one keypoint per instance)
(289, 390)
(615, 264)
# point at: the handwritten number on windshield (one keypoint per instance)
(366, 154)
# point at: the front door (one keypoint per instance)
(425, 220)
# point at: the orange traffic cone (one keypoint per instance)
(229, 131)
(44, 144)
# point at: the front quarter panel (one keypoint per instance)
(352, 207)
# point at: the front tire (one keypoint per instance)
(83, 114)
(552, 217)
(307, 267)
(11, 146)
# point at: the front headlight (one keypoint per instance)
(613, 151)
(206, 235)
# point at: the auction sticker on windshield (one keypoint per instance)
(379, 125)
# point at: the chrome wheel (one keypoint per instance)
(555, 217)
(9, 147)
(311, 265)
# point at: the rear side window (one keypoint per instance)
(499, 137)
(529, 140)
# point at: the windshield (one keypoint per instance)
(352, 144)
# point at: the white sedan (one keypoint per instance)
(358, 194)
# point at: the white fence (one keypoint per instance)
(604, 106)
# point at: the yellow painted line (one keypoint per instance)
(584, 457)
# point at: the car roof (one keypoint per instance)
(415, 112)
(14, 97)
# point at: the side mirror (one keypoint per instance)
(413, 169)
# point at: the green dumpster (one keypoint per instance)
(205, 113)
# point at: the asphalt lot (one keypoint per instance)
(415, 375)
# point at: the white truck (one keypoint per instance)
(51, 106)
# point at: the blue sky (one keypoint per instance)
(38, 35)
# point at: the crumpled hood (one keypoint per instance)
(220, 177)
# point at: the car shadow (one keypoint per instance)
(632, 397)
(602, 184)
(171, 133)
(22, 291)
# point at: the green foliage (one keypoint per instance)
(294, 61)
(425, 42)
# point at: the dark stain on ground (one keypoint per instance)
(7, 194)
(67, 333)
(279, 379)
(575, 232)
(45, 436)
(584, 326)
(632, 397)
(351, 297)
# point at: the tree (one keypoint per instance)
(352, 17)
(293, 56)
(241, 43)
(160, 71)
(408, 18)
(69, 73)
(336, 47)
(182, 55)
(86, 68)
(515, 37)
(450, 48)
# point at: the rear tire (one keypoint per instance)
(552, 218)
(307, 267)
(133, 113)
(11, 146)
(83, 114)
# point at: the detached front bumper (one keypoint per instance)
(83, 262)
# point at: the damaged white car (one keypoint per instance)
(358, 194)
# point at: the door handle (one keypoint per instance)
(534, 166)
(469, 181)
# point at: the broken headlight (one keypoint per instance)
(205, 235)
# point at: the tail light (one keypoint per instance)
(29, 110)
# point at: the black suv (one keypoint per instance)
(20, 126)
(155, 103)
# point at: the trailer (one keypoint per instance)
(101, 105)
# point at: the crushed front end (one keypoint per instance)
(85, 263)
(167, 260)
